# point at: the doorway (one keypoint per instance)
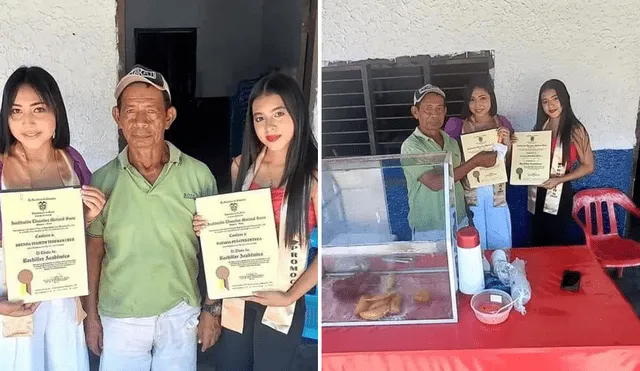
(172, 52)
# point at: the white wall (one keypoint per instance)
(237, 40)
(592, 46)
(76, 42)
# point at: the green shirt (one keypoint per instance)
(426, 206)
(151, 259)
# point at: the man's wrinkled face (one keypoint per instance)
(143, 116)
(430, 112)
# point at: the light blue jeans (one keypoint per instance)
(493, 223)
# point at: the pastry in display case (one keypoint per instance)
(388, 240)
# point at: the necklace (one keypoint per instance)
(273, 179)
(46, 165)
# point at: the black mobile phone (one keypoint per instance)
(571, 281)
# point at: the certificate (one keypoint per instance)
(477, 142)
(239, 243)
(531, 158)
(43, 236)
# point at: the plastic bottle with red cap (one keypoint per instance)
(470, 269)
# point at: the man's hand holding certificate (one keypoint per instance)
(480, 141)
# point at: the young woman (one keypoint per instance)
(35, 153)
(488, 204)
(279, 152)
(552, 202)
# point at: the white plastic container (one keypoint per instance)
(470, 267)
(489, 306)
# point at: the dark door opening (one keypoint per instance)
(173, 53)
(201, 128)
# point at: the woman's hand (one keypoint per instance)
(198, 224)
(272, 298)
(94, 200)
(16, 308)
(504, 136)
(552, 183)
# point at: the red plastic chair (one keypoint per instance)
(610, 249)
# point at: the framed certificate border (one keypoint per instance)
(531, 158)
(44, 243)
(240, 248)
(474, 143)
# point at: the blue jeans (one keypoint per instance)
(493, 223)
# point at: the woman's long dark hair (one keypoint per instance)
(482, 82)
(568, 120)
(47, 89)
(302, 155)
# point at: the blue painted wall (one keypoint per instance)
(612, 170)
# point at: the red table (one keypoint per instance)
(593, 329)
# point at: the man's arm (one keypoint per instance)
(434, 179)
(95, 254)
(92, 324)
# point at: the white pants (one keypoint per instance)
(57, 343)
(167, 342)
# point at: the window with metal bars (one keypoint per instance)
(366, 105)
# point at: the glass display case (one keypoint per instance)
(388, 240)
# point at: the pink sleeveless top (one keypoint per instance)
(277, 196)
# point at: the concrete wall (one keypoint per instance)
(237, 40)
(75, 42)
(591, 46)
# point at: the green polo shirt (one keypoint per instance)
(426, 206)
(151, 259)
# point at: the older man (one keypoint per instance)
(144, 300)
(426, 199)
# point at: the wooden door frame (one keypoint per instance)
(307, 61)
(122, 53)
(307, 74)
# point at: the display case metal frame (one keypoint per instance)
(399, 248)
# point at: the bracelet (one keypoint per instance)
(215, 308)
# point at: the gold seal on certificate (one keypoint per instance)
(477, 142)
(43, 237)
(239, 243)
(531, 158)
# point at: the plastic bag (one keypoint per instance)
(501, 267)
(520, 287)
(501, 149)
